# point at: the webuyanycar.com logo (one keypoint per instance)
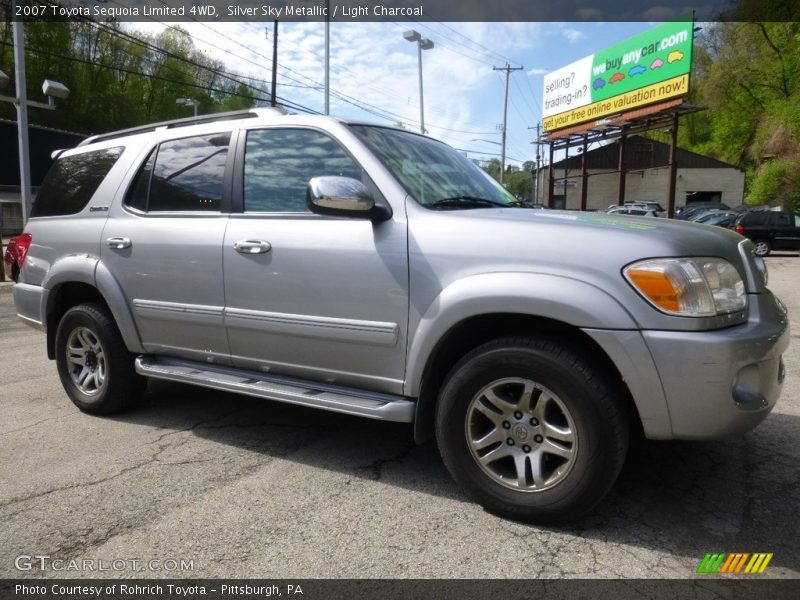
(737, 562)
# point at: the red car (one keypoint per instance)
(14, 256)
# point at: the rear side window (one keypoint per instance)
(184, 175)
(72, 181)
(782, 220)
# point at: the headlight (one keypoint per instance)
(689, 287)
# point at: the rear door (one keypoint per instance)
(311, 296)
(163, 243)
(784, 231)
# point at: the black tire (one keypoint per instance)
(120, 385)
(595, 413)
(762, 247)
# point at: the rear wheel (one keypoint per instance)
(762, 248)
(531, 429)
(95, 367)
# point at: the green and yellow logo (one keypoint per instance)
(737, 562)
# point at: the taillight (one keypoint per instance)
(739, 229)
(23, 243)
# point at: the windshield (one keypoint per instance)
(434, 174)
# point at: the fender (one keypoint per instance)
(556, 297)
(87, 269)
(120, 309)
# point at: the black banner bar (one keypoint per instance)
(402, 10)
(702, 588)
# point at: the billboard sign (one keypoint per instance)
(649, 67)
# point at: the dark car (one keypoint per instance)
(14, 255)
(696, 208)
(770, 230)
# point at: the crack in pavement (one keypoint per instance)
(124, 471)
(377, 466)
(85, 541)
(69, 414)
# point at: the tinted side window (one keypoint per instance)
(782, 220)
(188, 174)
(72, 181)
(278, 164)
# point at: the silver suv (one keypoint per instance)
(376, 272)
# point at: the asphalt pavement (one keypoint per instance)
(209, 484)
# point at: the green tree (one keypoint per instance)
(121, 77)
(747, 74)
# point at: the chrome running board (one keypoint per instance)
(374, 405)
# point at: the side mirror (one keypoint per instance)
(343, 197)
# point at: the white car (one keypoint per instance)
(628, 209)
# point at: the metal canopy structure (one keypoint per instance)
(664, 115)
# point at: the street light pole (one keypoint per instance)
(421, 101)
(188, 102)
(22, 116)
(422, 44)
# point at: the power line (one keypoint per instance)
(489, 51)
(141, 73)
(360, 104)
(524, 99)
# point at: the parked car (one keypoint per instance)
(720, 218)
(377, 272)
(631, 210)
(696, 208)
(14, 256)
(648, 205)
(770, 230)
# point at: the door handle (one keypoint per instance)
(252, 246)
(118, 243)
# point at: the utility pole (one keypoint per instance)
(535, 191)
(273, 97)
(508, 70)
(327, 57)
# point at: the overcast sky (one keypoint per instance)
(372, 64)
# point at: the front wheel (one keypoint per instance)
(95, 367)
(531, 429)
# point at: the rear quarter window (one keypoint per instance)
(72, 181)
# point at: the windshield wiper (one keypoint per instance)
(465, 202)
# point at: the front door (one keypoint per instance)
(309, 296)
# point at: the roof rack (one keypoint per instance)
(185, 122)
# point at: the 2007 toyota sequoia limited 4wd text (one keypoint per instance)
(377, 272)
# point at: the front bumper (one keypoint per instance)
(726, 381)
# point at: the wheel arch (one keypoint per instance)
(67, 288)
(479, 329)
